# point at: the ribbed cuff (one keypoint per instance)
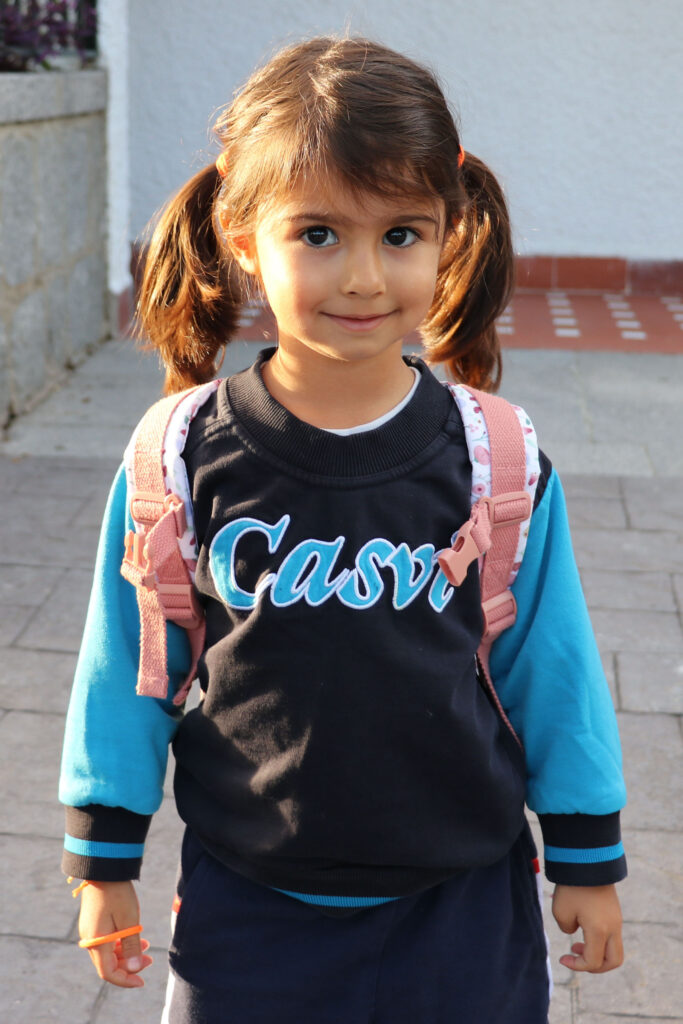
(583, 849)
(104, 844)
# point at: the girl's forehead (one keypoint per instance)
(335, 200)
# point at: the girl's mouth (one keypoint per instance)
(359, 323)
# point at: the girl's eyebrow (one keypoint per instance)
(323, 218)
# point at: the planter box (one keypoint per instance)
(53, 275)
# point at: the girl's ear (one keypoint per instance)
(243, 249)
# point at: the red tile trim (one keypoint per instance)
(535, 272)
(656, 278)
(590, 274)
(600, 274)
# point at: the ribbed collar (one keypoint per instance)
(299, 444)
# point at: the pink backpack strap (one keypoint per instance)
(153, 561)
(492, 532)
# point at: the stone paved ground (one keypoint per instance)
(613, 425)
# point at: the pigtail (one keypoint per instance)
(474, 285)
(189, 301)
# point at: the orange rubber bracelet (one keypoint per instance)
(112, 937)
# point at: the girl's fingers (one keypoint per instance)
(111, 969)
(130, 953)
(595, 961)
(614, 952)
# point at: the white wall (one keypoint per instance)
(113, 46)
(577, 104)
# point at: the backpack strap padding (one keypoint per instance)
(153, 561)
(508, 477)
(502, 447)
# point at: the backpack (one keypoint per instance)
(161, 552)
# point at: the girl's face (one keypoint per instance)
(346, 280)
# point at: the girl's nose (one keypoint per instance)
(363, 273)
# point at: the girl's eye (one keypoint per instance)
(319, 236)
(401, 238)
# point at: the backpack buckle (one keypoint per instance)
(136, 561)
(456, 560)
(179, 603)
(507, 509)
(147, 508)
(500, 613)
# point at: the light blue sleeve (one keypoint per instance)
(549, 676)
(116, 743)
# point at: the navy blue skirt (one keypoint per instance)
(468, 951)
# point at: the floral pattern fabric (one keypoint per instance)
(479, 448)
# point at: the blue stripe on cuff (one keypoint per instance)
(86, 848)
(588, 856)
(338, 901)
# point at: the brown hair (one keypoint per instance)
(358, 113)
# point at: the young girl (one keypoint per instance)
(356, 848)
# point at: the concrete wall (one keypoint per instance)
(53, 272)
(577, 104)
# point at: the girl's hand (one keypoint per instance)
(109, 907)
(596, 910)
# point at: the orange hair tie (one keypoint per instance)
(112, 937)
(222, 164)
(461, 157)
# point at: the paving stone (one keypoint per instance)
(72, 477)
(24, 584)
(13, 620)
(609, 669)
(5, 388)
(610, 1018)
(654, 887)
(642, 591)
(649, 983)
(630, 630)
(678, 591)
(83, 402)
(10, 473)
(582, 485)
(651, 683)
(613, 382)
(615, 459)
(58, 626)
(35, 680)
(628, 550)
(533, 385)
(40, 531)
(44, 982)
(100, 441)
(652, 748)
(561, 1006)
(40, 513)
(90, 516)
(657, 506)
(42, 906)
(30, 754)
(606, 513)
